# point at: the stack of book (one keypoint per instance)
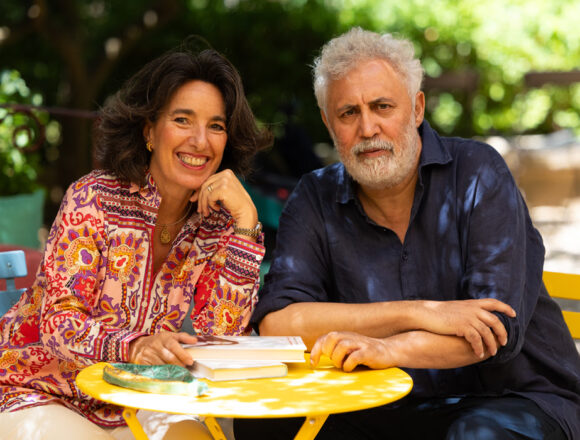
(244, 357)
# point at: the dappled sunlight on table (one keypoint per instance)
(304, 391)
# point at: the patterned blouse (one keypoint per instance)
(96, 291)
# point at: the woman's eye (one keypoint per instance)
(180, 120)
(218, 127)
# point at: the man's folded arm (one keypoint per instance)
(311, 320)
(415, 349)
(472, 320)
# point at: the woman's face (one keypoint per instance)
(188, 139)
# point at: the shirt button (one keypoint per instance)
(405, 256)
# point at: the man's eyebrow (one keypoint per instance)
(378, 100)
(381, 99)
(346, 107)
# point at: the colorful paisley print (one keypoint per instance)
(95, 291)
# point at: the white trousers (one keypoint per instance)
(56, 422)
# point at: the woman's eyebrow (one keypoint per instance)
(188, 111)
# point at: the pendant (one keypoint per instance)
(165, 236)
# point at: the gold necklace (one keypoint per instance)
(165, 236)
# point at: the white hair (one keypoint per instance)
(341, 54)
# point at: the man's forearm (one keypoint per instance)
(312, 320)
(421, 349)
(414, 349)
(472, 320)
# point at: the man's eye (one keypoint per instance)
(348, 112)
(383, 106)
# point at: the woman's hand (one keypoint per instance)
(225, 190)
(161, 348)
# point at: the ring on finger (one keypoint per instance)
(209, 188)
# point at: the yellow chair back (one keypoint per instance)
(566, 286)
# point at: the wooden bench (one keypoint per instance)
(566, 286)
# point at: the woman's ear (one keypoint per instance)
(147, 131)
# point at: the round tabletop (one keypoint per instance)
(303, 392)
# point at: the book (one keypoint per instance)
(255, 348)
(225, 369)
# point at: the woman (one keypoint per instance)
(162, 243)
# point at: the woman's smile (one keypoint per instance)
(194, 161)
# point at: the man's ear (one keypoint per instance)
(419, 108)
(323, 116)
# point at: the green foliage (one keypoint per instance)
(66, 53)
(19, 166)
(272, 43)
(500, 41)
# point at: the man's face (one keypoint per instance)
(373, 122)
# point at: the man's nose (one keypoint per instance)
(368, 125)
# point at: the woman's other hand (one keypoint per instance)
(161, 348)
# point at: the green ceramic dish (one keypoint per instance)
(162, 379)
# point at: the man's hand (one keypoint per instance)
(469, 319)
(161, 348)
(348, 349)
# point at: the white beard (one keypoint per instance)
(387, 170)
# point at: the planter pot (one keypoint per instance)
(21, 218)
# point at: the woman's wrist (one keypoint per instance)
(247, 220)
(249, 232)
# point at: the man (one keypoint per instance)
(418, 251)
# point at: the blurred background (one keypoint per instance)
(505, 71)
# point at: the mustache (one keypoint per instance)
(372, 145)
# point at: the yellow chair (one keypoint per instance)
(566, 286)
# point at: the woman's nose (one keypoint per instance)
(198, 137)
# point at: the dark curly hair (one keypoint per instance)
(118, 133)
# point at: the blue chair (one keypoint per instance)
(12, 265)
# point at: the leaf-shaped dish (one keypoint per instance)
(162, 379)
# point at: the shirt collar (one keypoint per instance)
(433, 152)
(148, 191)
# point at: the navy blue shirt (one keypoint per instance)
(470, 236)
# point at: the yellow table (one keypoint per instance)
(303, 392)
